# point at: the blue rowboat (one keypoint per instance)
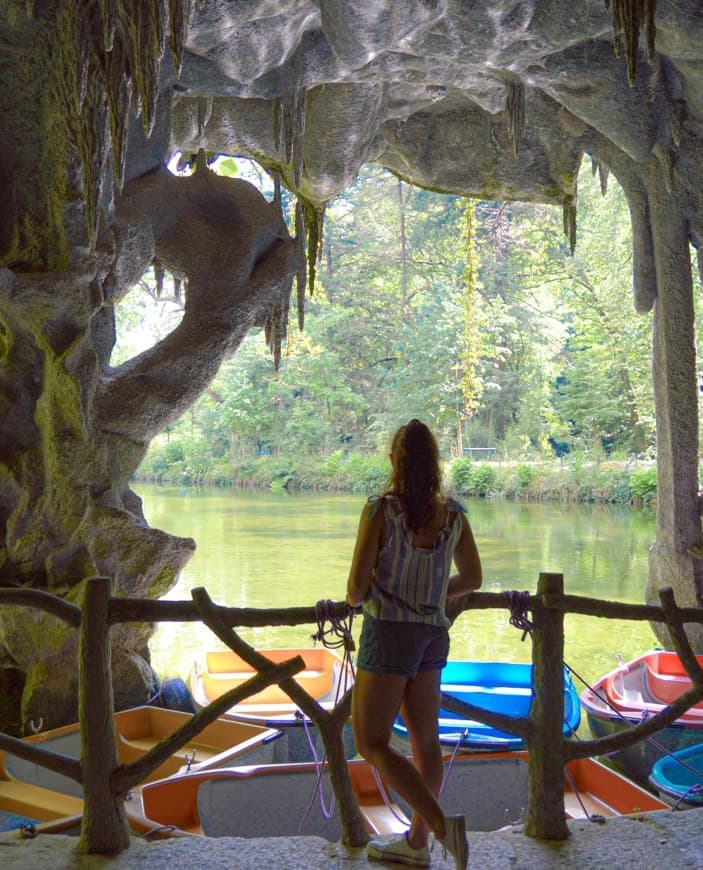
(497, 687)
(678, 777)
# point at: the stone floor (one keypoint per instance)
(664, 840)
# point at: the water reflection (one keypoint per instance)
(264, 550)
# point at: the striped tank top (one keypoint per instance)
(410, 583)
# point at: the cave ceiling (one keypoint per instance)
(497, 100)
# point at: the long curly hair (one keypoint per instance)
(415, 475)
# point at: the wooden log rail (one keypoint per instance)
(104, 828)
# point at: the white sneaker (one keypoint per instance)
(399, 851)
(454, 841)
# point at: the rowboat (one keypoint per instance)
(678, 777)
(325, 678)
(32, 794)
(498, 687)
(635, 691)
(490, 789)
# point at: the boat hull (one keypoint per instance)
(498, 687)
(490, 789)
(638, 690)
(326, 677)
(31, 794)
(678, 777)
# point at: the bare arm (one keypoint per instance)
(368, 545)
(468, 563)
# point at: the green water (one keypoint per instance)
(264, 550)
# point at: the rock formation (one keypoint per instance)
(497, 100)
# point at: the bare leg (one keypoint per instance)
(376, 701)
(420, 709)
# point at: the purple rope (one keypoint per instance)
(336, 636)
(518, 604)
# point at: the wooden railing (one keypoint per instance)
(104, 828)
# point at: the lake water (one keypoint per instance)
(264, 550)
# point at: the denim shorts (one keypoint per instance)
(403, 648)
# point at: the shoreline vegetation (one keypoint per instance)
(572, 479)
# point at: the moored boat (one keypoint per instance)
(678, 777)
(638, 690)
(490, 789)
(326, 677)
(498, 687)
(32, 794)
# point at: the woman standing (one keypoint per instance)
(400, 572)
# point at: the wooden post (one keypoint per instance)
(545, 811)
(104, 829)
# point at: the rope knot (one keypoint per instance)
(339, 632)
(519, 605)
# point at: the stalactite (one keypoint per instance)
(314, 225)
(276, 328)
(109, 11)
(204, 114)
(179, 12)
(298, 134)
(276, 113)
(301, 274)
(159, 272)
(569, 212)
(111, 57)
(289, 130)
(699, 258)
(515, 106)
(603, 175)
(630, 18)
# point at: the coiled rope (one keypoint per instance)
(518, 604)
(335, 636)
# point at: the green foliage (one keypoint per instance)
(473, 478)
(498, 331)
(643, 483)
(460, 475)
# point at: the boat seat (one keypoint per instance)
(315, 683)
(574, 809)
(666, 688)
(383, 819)
(30, 800)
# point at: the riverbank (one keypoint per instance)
(661, 839)
(573, 480)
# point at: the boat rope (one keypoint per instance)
(518, 604)
(464, 736)
(386, 797)
(694, 791)
(339, 632)
(592, 817)
(327, 811)
(631, 724)
(337, 635)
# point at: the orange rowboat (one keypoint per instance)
(280, 800)
(325, 678)
(30, 794)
